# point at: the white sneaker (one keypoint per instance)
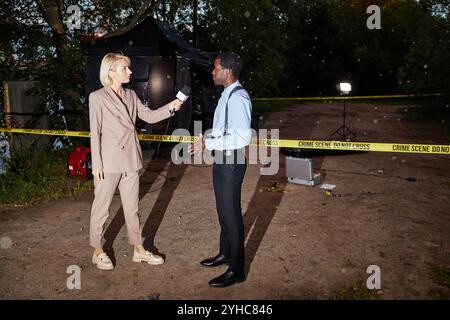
(102, 261)
(148, 257)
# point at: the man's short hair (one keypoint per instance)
(232, 61)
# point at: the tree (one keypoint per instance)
(44, 43)
(297, 47)
(330, 42)
(252, 29)
(425, 65)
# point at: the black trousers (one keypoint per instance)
(227, 180)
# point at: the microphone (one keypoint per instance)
(184, 93)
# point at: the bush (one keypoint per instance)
(42, 176)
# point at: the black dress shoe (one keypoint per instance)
(226, 279)
(215, 261)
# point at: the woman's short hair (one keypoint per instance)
(108, 63)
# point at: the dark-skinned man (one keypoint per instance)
(231, 133)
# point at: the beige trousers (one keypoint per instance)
(103, 194)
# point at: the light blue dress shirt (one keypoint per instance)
(239, 132)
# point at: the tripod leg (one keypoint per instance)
(338, 132)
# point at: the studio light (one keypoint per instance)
(343, 131)
(345, 87)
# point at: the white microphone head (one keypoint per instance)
(182, 97)
(184, 93)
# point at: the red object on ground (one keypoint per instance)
(80, 164)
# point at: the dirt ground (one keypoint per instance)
(389, 210)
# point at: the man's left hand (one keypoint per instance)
(198, 146)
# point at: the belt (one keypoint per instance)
(234, 156)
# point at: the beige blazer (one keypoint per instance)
(114, 142)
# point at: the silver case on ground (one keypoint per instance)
(300, 171)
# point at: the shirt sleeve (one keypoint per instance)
(239, 130)
(95, 124)
(149, 115)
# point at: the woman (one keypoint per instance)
(117, 155)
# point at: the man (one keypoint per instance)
(231, 133)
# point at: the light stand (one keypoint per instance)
(343, 131)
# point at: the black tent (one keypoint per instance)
(162, 62)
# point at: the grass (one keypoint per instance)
(441, 275)
(43, 176)
(356, 291)
(439, 294)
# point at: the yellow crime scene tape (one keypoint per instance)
(275, 143)
(395, 96)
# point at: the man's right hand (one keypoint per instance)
(98, 174)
